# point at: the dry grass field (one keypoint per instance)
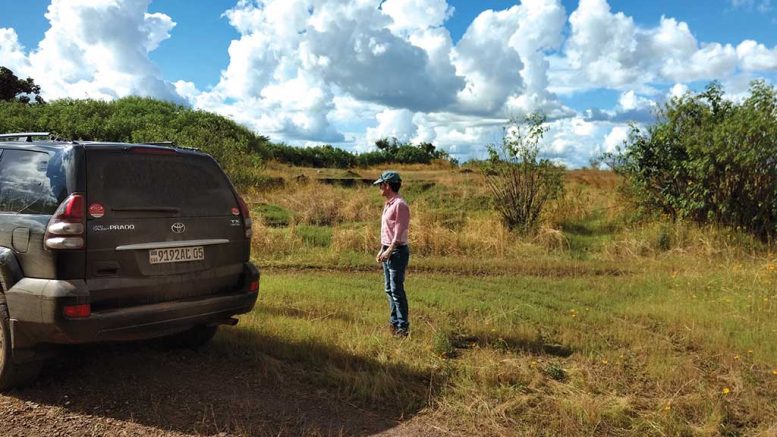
(599, 324)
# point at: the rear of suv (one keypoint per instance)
(112, 242)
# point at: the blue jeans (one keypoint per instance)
(394, 273)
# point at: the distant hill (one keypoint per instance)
(237, 148)
(138, 120)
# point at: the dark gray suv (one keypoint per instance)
(112, 242)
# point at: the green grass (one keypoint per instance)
(314, 236)
(273, 215)
(587, 236)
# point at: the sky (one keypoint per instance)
(349, 72)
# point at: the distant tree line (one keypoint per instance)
(390, 150)
(709, 160)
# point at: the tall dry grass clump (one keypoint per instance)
(278, 241)
(574, 205)
(436, 234)
(361, 239)
(314, 203)
(430, 235)
(474, 236)
(661, 237)
(599, 179)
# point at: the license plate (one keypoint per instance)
(176, 255)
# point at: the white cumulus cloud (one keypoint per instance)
(393, 123)
(96, 49)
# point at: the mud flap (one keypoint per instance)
(10, 272)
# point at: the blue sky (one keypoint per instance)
(346, 73)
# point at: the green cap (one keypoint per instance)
(388, 176)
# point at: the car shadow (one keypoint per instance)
(273, 387)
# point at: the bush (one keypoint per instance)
(708, 160)
(520, 181)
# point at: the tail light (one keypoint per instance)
(66, 227)
(253, 287)
(80, 311)
(246, 216)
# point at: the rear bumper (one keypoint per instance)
(36, 307)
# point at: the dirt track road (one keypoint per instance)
(134, 390)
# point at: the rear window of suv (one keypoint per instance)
(28, 184)
(138, 184)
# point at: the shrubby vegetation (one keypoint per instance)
(708, 160)
(136, 119)
(520, 181)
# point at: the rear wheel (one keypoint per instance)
(13, 374)
(193, 338)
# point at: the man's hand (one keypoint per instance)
(385, 255)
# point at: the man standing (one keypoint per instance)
(394, 253)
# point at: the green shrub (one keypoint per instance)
(708, 160)
(442, 345)
(521, 182)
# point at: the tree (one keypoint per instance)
(389, 145)
(429, 149)
(13, 88)
(520, 181)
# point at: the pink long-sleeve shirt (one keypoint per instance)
(395, 222)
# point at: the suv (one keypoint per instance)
(113, 242)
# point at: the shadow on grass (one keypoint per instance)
(511, 344)
(243, 384)
(589, 228)
(312, 314)
(588, 235)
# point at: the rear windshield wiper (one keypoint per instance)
(170, 209)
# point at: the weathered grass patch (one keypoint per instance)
(553, 356)
(597, 325)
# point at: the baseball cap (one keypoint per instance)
(388, 176)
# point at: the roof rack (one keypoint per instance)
(25, 136)
(170, 144)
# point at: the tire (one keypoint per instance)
(193, 338)
(13, 374)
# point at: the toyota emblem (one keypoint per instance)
(178, 228)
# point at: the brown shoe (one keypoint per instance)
(391, 329)
(401, 332)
